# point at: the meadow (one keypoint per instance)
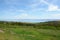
(30, 31)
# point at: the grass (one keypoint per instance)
(17, 32)
(29, 34)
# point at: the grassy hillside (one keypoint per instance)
(41, 25)
(30, 31)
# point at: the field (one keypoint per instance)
(19, 32)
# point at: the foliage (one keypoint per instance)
(29, 31)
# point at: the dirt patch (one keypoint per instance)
(1, 31)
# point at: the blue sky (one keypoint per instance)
(29, 9)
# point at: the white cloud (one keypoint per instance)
(51, 16)
(52, 8)
(38, 2)
(21, 16)
(34, 6)
(54, 16)
(44, 1)
(25, 16)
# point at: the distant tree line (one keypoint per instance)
(44, 25)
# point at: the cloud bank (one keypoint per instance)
(29, 9)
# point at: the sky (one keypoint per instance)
(29, 9)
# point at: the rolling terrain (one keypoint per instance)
(49, 30)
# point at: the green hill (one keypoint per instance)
(30, 31)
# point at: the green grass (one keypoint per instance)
(29, 34)
(16, 31)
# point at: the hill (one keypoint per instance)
(30, 31)
(41, 25)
